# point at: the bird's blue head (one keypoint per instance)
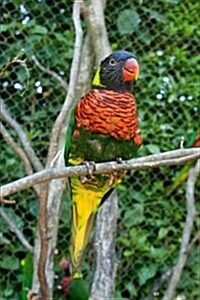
(117, 71)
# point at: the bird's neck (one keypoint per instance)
(125, 87)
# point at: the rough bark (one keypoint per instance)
(104, 250)
(103, 283)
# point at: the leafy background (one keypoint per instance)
(164, 36)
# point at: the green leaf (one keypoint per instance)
(5, 27)
(124, 241)
(9, 263)
(128, 253)
(22, 75)
(33, 39)
(157, 253)
(135, 216)
(38, 29)
(154, 14)
(144, 36)
(128, 21)
(162, 232)
(146, 273)
(153, 149)
(8, 292)
(131, 288)
(139, 196)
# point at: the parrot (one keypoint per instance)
(104, 126)
(73, 289)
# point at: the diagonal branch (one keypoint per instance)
(16, 59)
(22, 136)
(20, 153)
(159, 283)
(45, 70)
(194, 240)
(13, 226)
(193, 174)
(176, 157)
(72, 85)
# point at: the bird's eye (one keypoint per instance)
(112, 62)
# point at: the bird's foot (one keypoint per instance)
(182, 140)
(91, 167)
(119, 160)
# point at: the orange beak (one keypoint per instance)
(130, 70)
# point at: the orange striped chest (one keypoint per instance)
(110, 113)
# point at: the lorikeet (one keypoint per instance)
(73, 288)
(103, 127)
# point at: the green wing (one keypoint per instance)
(78, 290)
(70, 129)
(69, 133)
(27, 273)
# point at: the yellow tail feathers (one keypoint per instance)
(85, 205)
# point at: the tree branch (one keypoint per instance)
(193, 174)
(47, 236)
(44, 242)
(159, 282)
(175, 157)
(7, 201)
(97, 26)
(22, 137)
(72, 85)
(104, 249)
(45, 70)
(20, 153)
(13, 226)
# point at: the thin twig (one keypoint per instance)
(17, 59)
(6, 201)
(150, 161)
(193, 174)
(13, 226)
(22, 137)
(45, 70)
(194, 240)
(166, 275)
(159, 283)
(72, 85)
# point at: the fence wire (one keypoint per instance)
(163, 35)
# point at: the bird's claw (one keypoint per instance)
(182, 140)
(91, 167)
(119, 160)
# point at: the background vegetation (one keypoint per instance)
(163, 35)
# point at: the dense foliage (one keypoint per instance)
(164, 37)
